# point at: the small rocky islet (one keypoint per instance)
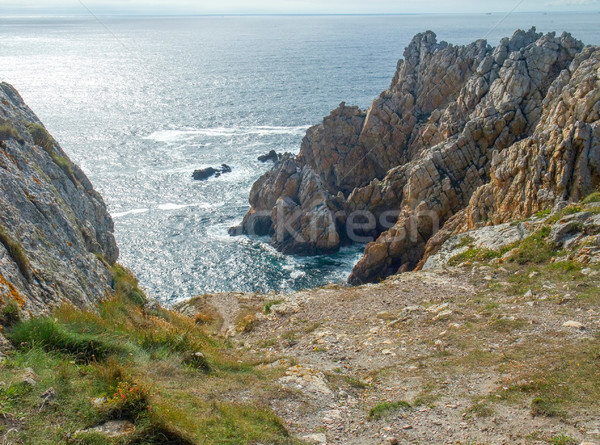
(477, 177)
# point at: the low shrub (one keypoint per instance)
(128, 402)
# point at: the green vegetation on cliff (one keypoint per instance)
(129, 361)
(15, 251)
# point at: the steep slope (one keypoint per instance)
(56, 236)
(410, 165)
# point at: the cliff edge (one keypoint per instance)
(465, 136)
(56, 236)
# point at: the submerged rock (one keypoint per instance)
(271, 156)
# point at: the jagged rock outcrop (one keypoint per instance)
(291, 203)
(454, 118)
(56, 236)
(559, 162)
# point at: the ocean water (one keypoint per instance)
(140, 103)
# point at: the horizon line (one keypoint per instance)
(73, 13)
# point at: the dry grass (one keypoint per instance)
(156, 368)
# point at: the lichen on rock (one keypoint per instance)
(58, 234)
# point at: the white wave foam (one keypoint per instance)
(128, 212)
(297, 274)
(186, 134)
(171, 206)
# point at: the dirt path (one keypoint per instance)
(443, 350)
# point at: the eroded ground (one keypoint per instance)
(491, 354)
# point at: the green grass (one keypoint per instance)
(355, 382)
(546, 407)
(16, 252)
(475, 254)
(126, 285)
(387, 408)
(536, 248)
(51, 336)
(155, 368)
(563, 439)
(558, 380)
(569, 210)
(270, 304)
(41, 136)
(543, 213)
(593, 197)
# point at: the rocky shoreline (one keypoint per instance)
(466, 136)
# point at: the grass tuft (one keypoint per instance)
(8, 131)
(270, 304)
(542, 406)
(563, 439)
(16, 252)
(593, 197)
(387, 408)
(44, 332)
(41, 136)
(126, 286)
(9, 314)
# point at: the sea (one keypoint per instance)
(141, 102)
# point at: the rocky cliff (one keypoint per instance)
(465, 136)
(56, 236)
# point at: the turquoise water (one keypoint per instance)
(140, 103)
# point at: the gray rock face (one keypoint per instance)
(577, 233)
(454, 119)
(491, 237)
(56, 234)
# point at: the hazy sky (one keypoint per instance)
(294, 6)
